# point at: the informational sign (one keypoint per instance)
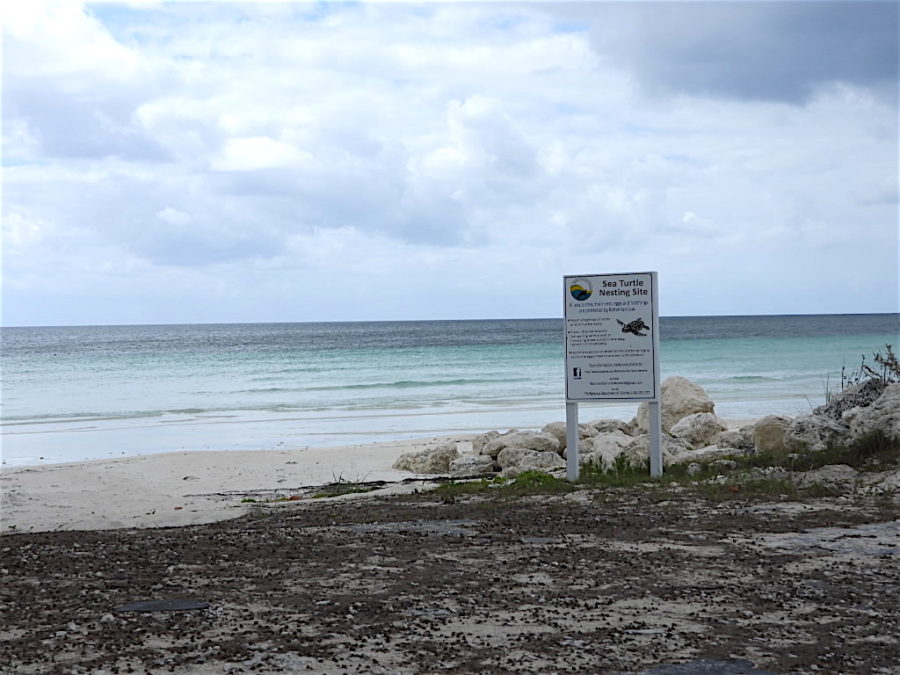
(612, 337)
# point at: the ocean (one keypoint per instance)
(97, 392)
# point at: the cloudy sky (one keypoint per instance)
(182, 162)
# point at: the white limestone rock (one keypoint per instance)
(586, 458)
(471, 465)
(883, 416)
(829, 474)
(544, 461)
(558, 431)
(431, 461)
(483, 439)
(523, 459)
(680, 398)
(528, 440)
(890, 481)
(702, 455)
(850, 416)
(585, 447)
(698, 429)
(815, 433)
(739, 440)
(637, 452)
(769, 434)
(607, 447)
(860, 395)
(606, 424)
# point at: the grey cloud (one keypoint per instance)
(486, 128)
(429, 215)
(781, 51)
(132, 214)
(68, 124)
(359, 188)
(193, 248)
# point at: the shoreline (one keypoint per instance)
(183, 488)
(51, 443)
(193, 487)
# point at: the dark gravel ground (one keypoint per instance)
(601, 582)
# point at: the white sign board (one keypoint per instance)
(612, 337)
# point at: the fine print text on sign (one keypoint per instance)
(611, 342)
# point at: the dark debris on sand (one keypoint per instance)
(638, 582)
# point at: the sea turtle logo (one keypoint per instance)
(581, 289)
(634, 327)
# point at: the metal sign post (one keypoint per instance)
(612, 350)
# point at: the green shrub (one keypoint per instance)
(526, 483)
(532, 482)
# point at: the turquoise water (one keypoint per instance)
(96, 392)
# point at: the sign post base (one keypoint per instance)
(572, 460)
(656, 458)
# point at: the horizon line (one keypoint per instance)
(457, 320)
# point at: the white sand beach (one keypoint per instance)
(187, 488)
(182, 488)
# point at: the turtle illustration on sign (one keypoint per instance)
(634, 327)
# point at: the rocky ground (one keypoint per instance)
(605, 580)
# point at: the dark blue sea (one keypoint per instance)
(75, 393)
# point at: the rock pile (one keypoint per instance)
(692, 433)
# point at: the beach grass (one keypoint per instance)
(526, 483)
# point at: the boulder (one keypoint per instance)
(769, 434)
(637, 452)
(882, 416)
(558, 431)
(889, 481)
(585, 447)
(483, 439)
(528, 440)
(702, 455)
(543, 460)
(522, 459)
(699, 429)
(593, 458)
(856, 396)
(830, 474)
(850, 416)
(816, 433)
(511, 456)
(607, 446)
(680, 398)
(605, 425)
(471, 465)
(741, 439)
(432, 461)
(694, 468)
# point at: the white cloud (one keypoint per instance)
(174, 216)
(258, 152)
(58, 39)
(20, 231)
